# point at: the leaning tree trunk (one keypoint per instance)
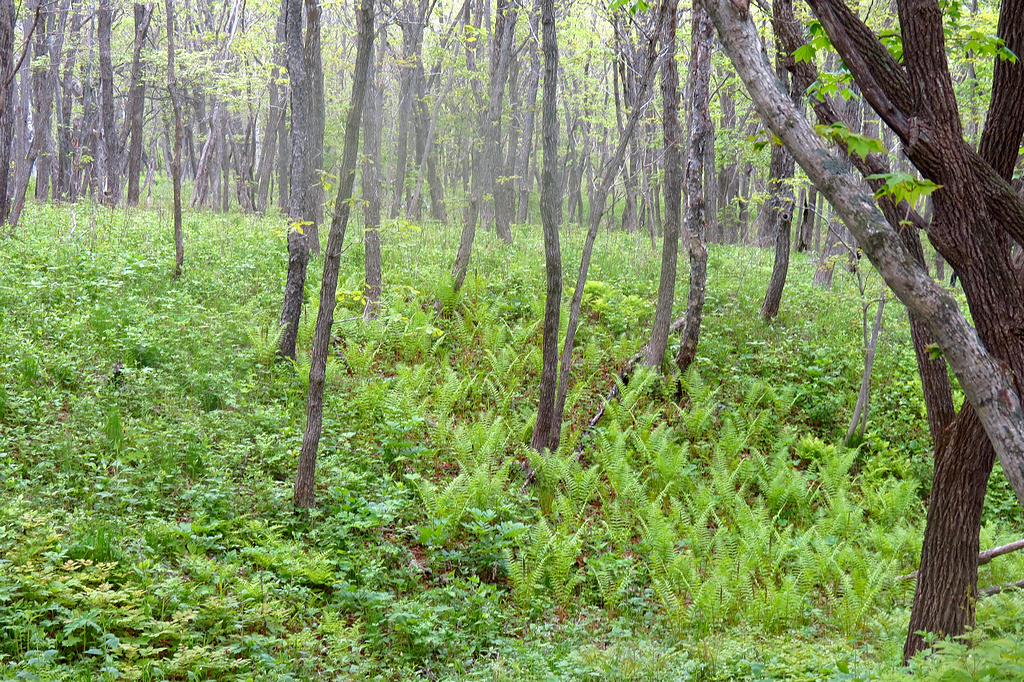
(137, 102)
(965, 234)
(304, 494)
(699, 112)
(546, 430)
(673, 135)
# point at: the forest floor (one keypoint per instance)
(148, 440)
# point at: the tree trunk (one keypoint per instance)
(312, 55)
(961, 231)
(7, 69)
(304, 494)
(111, 153)
(699, 111)
(298, 238)
(673, 135)
(523, 179)
(372, 191)
(597, 207)
(275, 115)
(172, 91)
(137, 102)
(546, 430)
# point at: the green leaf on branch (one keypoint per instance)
(903, 187)
(862, 145)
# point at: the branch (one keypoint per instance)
(983, 558)
(986, 380)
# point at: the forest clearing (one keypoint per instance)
(511, 341)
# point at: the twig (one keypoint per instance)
(983, 558)
(996, 589)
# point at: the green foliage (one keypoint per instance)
(148, 439)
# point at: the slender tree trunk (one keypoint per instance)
(111, 153)
(304, 493)
(172, 90)
(673, 135)
(312, 54)
(298, 239)
(597, 207)
(696, 217)
(136, 115)
(489, 122)
(547, 430)
(372, 191)
(275, 115)
(7, 67)
(49, 45)
(523, 179)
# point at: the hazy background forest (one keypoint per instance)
(282, 397)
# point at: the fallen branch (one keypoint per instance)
(983, 558)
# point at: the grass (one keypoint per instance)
(148, 442)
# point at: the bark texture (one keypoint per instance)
(547, 430)
(699, 113)
(304, 495)
(673, 137)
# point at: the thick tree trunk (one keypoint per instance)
(304, 494)
(986, 380)
(547, 429)
(673, 136)
(137, 102)
(699, 111)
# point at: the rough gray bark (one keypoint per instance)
(547, 429)
(137, 102)
(986, 381)
(699, 112)
(673, 136)
(304, 494)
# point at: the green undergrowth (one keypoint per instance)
(713, 526)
